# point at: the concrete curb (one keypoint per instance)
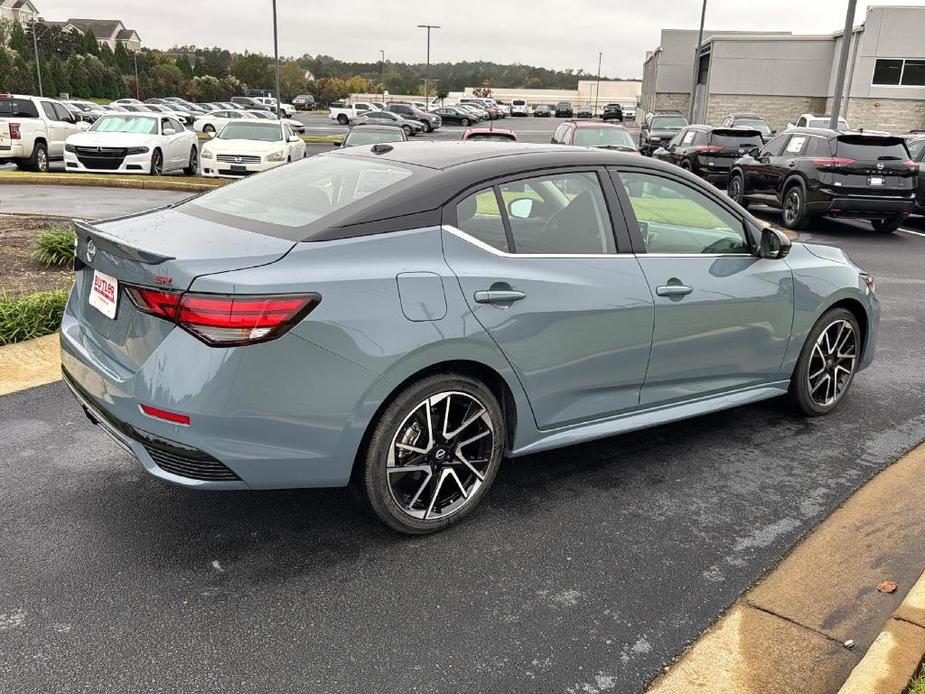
(29, 364)
(805, 626)
(140, 183)
(897, 653)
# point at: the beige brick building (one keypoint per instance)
(781, 76)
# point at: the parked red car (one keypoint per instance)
(591, 134)
(493, 134)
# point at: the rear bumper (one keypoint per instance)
(258, 418)
(15, 150)
(221, 169)
(824, 202)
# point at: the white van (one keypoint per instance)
(519, 107)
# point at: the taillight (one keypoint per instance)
(708, 148)
(914, 165)
(15, 133)
(226, 319)
(832, 161)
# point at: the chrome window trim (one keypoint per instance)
(504, 254)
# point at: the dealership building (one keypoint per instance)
(781, 75)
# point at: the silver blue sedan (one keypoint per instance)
(401, 317)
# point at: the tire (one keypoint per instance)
(408, 131)
(406, 501)
(464, 122)
(208, 128)
(794, 209)
(887, 226)
(342, 119)
(39, 159)
(157, 163)
(192, 168)
(822, 378)
(428, 128)
(735, 190)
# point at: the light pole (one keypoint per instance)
(276, 58)
(38, 62)
(382, 73)
(597, 89)
(135, 59)
(842, 65)
(427, 73)
(703, 16)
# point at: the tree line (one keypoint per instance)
(73, 62)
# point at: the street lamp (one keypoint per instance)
(382, 73)
(427, 73)
(703, 16)
(38, 62)
(276, 58)
(597, 89)
(842, 66)
(135, 59)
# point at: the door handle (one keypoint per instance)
(673, 290)
(498, 296)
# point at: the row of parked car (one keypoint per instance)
(809, 170)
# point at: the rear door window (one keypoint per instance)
(480, 216)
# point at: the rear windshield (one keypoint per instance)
(755, 124)
(669, 122)
(491, 137)
(611, 138)
(824, 123)
(862, 148)
(371, 137)
(22, 108)
(294, 196)
(730, 139)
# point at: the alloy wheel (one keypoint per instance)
(735, 189)
(41, 160)
(832, 363)
(440, 455)
(792, 207)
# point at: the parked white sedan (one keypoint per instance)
(133, 143)
(297, 126)
(214, 121)
(244, 147)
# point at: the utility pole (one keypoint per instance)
(38, 61)
(842, 64)
(382, 74)
(696, 72)
(597, 89)
(276, 57)
(427, 73)
(135, 58)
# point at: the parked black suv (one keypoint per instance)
(658, 128)
(430, 121)
(708, 151)
(808, 172)
(564, 110)
(749, 120)
(613, 112)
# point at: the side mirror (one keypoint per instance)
(774, 244)
(295, 138)
(169, 131)
(754, 152)
(521, 208)
(337, 143)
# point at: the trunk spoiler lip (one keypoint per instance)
(116, 246)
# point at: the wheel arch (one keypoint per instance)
(858, 310)
(792, 180)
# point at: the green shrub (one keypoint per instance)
(38, 314)
(55, 246)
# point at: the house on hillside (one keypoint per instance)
(108, 31)
(22, 11)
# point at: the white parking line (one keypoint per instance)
(909, 231)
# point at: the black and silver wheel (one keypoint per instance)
(192, 168)
(794, 212)
(887, 226)
(157, 163)
(39, 160)
(342, 119)
(433, 454)
(464, 122)
(827, 364)
(408, 131)
(735, 190)
(208, 128)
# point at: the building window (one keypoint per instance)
(899, 73)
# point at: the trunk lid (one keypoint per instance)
(166, 249)
(870, 165)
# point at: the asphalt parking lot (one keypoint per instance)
(587, 570)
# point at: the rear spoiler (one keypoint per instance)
(871, 138)
(86, 232)
(732, 132)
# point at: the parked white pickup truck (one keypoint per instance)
(343, 114)
(268, 101)
(33, 130)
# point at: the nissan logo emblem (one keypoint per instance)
(880, 166)
(91, 250)
(238, 160)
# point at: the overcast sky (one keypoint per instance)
(550, 33)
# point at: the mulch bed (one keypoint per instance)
(20, 274)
